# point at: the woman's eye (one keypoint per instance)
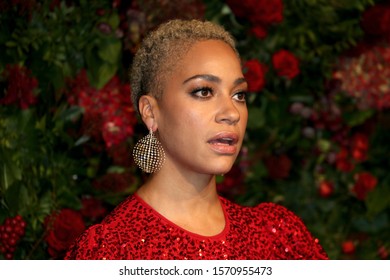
(240, 96)
(202, 92)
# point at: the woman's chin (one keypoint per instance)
(222, 170)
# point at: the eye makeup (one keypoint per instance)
(202, 92)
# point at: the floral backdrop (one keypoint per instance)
(318, 132)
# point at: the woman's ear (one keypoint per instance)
(147, 104)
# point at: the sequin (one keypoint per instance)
(135, 231)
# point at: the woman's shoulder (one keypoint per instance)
(90, 245)
(101, 240)
(273, 210)
(267, 210)
(266, 215)
(127, 209)
(278, 229)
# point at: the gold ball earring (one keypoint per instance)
(148, 153)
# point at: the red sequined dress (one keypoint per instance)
(134, 230)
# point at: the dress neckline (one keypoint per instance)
(218, 236)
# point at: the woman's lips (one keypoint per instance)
(224, 143)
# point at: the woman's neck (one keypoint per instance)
(179, 190)
(191, 202)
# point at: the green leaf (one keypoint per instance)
(114, 21)
(378, 200)
(46, 204)
(103, 65)
(110, 51)
(357, 117)
(256, 118)
(103, 74)
(72, 113)
(374, 225)
(324, 145)
(10, 170)
(83, 139)
(12, 197)
(67, 198)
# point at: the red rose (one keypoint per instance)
(376, 20)
(285, 64)
(21, 87)
(364, 183)
(266, 12)
(114, 181)
(254, 73)
(62, 229)
(383, 253)
(343, 162)
(278, 166)
(108, 113)
(258, 11)
(326, 189)
(119, 154)
(259, 31)
(114, 131)
(240, 8)
(348, 247)
(261, 13)
(116, 3)
(359, 147)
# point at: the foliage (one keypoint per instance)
(313, 144)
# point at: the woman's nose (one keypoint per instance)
(227, 111)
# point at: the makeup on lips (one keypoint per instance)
(224, 143)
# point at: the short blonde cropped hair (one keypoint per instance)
(163, 47)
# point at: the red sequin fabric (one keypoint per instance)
(134, 230)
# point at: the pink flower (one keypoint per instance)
(365, 77)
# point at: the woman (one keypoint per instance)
(190, 92)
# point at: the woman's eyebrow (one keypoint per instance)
(207, 77)
(212, 78)
(240, 81)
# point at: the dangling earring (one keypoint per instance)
(148, 153)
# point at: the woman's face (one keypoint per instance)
(202, 114)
